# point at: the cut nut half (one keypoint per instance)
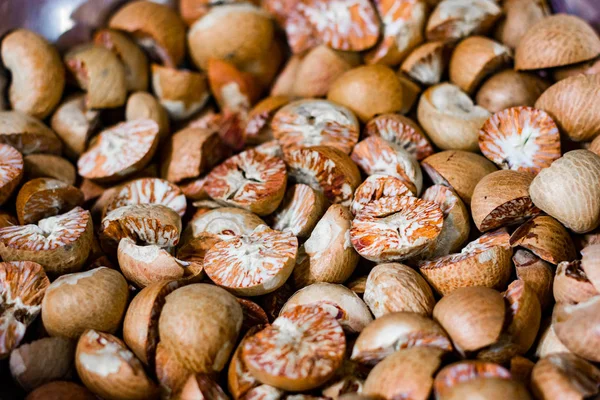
(484, 262)
(239, 380)
(524, 315)
(43, 197)
(575, 326)
(254, 264)
(22, 288)
(546, 238)
(60, 243)
(307, 123)
(249, 180)
(120, 151)
(258, 124)
(520, 138)
(11, 171)
(300, 210)
(566, 376)
(455, 19)
(571, 284)
(181, 92)
(465, 371)
(402, 131)
(427, 63)
(301, 350)
(27, 134)
(225, 223)
(395, 228)
(536, 273)
(376, 187)
(74, 123)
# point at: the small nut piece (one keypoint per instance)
(510, 88)
(38, 76)
(11, 171)
(27, 134)
(426, 63)
(455, 19)
(536, 273)
(575, 326)
(564, 376)
(571, 284)
(74, 123)
(94, 299)
(44, 197)
(546, 238)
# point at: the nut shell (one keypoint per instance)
(546, 238)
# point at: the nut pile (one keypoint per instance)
(303, 199)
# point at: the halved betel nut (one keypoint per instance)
(455, 19)
(11, 171)
(44, 197)
(546, 238)
(74, 122)
(571, 284)
(302, 207)
(376, 187)
(27, 134)
(143, 105)
(427, 63)
(402, 131)
(566, 376)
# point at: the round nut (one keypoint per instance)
(452, 20)
(510, 88)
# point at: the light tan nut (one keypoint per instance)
(456, 19)
(571, 284)
(302, 207)
(254, 264)
(537, 274)
(459, 170)
(44, 197)
(120, 151)
(327, 255)
(524, 315)
(590, 67)
(449, 117)
(376, 187)
(590, 263)
(450, 378)
(109, 369)
(427, 63)
(307, 123)
(401, 131)
(202, 386)
(546, 238)
(519, 16)
(548, 343)
(27, 134)
(207, 309)
(50, 166)
(300, 351)
(74, 123)
(564, 376)
(575, 326)
(11, 171)
(485, 261)
(94, 299)
(156, 27)
(510, 88)
(258, 124)
(326, 170)
(555, 41)
(395, 228)
(60, 243)
(170, 372)
(472, 316)
(368, 91)
(38, 76)
(406, 373)
(61, 390)
(22, 287)
(142, 105)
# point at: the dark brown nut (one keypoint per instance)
(537, 274)
(23, 286)
(44, 197)
(142, 105)
(133, 58)
(11, 171)
(571, 284)
(94, 299)
(156, 27)
(38, 76)
(452, 20)
(258, 124)
(564, 376)
(27, 134)
(501, 199)
(427, 63)
(99, 72)
(61, 243)
(301, 209)
(575, 326)
(74, 123)
(59, 390)
(546, 238)
(510, 88)
(49, 166)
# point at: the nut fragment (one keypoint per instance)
(376, 187)
(74, 123)
(43, 197)
(300, 210)
(548, 343)
(201, 386)
(536, 273)
(142, 105)
(510, 88)
(546, 238)
(571, 285)
(258, 124)
(575, 326)
(27, 134)
(60, 390)
(525, 315)
(426, 63)
(11, 171)
(455, 19)
(181, 92)
(401, 131)
(49, 166)
(564, 376)
(519, 16)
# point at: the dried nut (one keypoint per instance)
(100, 73)
(11, 171)
(59, 390)
(375, 155)
(590, 263)
(133, 58)
(573, 104)
(249, 180)
(401, 131)
(395, 228)
(450, 118)
(472, 316)
(325, 169)
(207, 309)
(546, 238)
(407, 373)
(575, 326)
(258, 123)
(483, 262)
(456, 19)
(44, 197)
(453, 376)
(587, 67)
(50, 166)
(567, 190)
(109, 369)
(42, 361)
(94, 299)
(181, 92)
(524, 315)
(140, 326)
(396, 331)
(27, 134)
(357, 285)
(239, 380)
(302, 207)
(490, 389)
(254, 315)
(564, 376)
(201, 386)
(239, 33)
(264, 69)
(307, 123)
(191, 152)
(368, 91)
(284, 85)
(170, 372)
(120, 151)
(571, 285)
(342, 303)
(148, 191)
(74, 123)
(38, 76)
(23, 286)
(510, 88)
(347, 384)
(144, 223)
(410, 92)
(156, 27)
(426, 63)
(457, 224)
(301, 350)
(555, 41)
(7, 219)
(224, 222)
(327, 255)
(142, 105)
(537, 274)
(376, 187)
(519, 16)
(520, 138)
(460, 170)
(475, 58)
(61, 243)
(254, 264)
(548, 343)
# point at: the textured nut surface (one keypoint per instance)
(376, 187)
(401, 131)
(181, 92)
(575, 326)
(426, 63)
(546, 238)
(49, 166)
(300, 210)
(536, 273)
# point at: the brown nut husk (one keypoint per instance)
(170, 372)
(525, 315)
(74, 123)
(575, 326)
(546, 238)
(142, 105)
(449, 380)
(564, 376)
(519, 16)
(590, 263)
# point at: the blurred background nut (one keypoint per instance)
(27, 134)
(575, 326)
(510, 88)
(451, 20)
(61, 390)
(519, 15)
(564, 375)
(571, 285)
(50, 166)
(142, 105)
(426, 63)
